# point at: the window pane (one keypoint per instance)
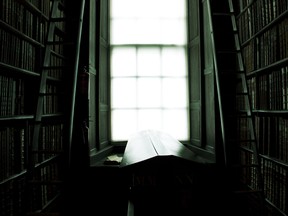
(173, 8)
(173, 32)
(148, 8)
(149, 92)
(148, 31)
(148, 67)
(124, 124)
(123, 93)
(149, 62)
(122, 8)
(174, 61)
(150, 119)
(123, 31)
(175, 92)
(123, 61)
(175, 123)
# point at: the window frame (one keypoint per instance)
(158, 46)
(99, 120)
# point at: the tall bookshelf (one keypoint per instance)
(263, 31)
(23, 31)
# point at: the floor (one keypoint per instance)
(105, 189)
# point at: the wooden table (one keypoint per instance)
(150, 144)
(166, 177)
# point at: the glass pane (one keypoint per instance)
(123, 93)
(147, 8)
(149, 92)
(124, 123)
(174, 61)
(149, 62)
(123, 61)
(175, 123)
(154, 73)
(146, 22)
(173, 31)
(150, 119)
(148, 31)
(123, 31)
(122, 8)
(175, 92)
(173, 8)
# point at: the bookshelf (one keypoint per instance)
(26, 186)
(263, 35)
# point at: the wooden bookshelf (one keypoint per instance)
(23, 33)
(263, 34)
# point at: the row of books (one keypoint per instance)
(14, 145)
(249, 174)
(51, 141)
(32, 23)
(12, 197)
(275, 179)
(259, 14)
(262, 26)
(21, 53)
(43, 193)
(283, 38)
(23, 48)
(43, 6)
(275, 183)
(12, 151)
(267, 48)
(12, 97)
(57, 62)
(271, 132)
(269, 91)
(18, 52)
(52, 100)
(23, 36)
(271, 135)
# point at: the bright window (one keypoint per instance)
(149, 88)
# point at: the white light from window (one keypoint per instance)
(149, 87)
(147, 8)
(174, 61)
(149, 119)
(174, 92)
(124, 123)
(123, 62)
(175, 123)
(149, 62)
(149, 92)
(148, 31)
(124, 92)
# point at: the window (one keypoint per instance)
(149, 88)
